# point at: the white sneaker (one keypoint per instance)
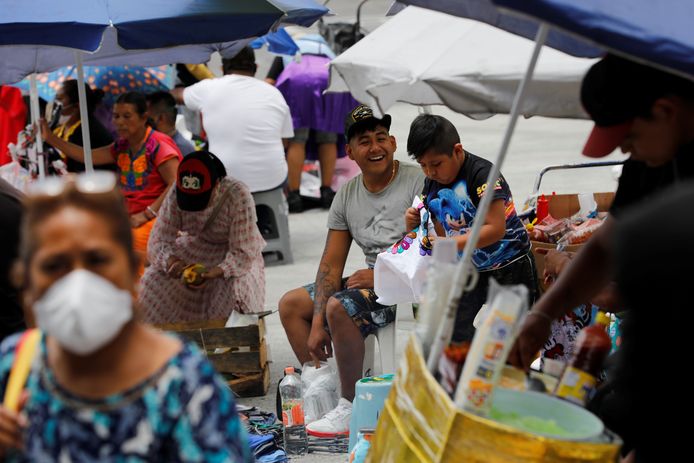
(334, 423)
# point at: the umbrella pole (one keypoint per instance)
(84, 115)
(464, 276)
(35, 110)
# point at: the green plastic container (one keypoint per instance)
(544, 415)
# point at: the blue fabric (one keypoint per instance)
(278, 456)
(183, 413)
(277, 42)
(658, 32)
(43, 35)
(163, 23)
(255, 440)
(485, 11)
(141, 25)
(42, 22)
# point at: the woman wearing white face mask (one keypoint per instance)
(69, 125)
(104, 386)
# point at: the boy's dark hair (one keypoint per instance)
(244, 61)
(429, 132)
(163, 103)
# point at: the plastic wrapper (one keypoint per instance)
(581, 233)
(550, 230)
(16, 175)
(320, 390)
(490, 347)
(438, 283)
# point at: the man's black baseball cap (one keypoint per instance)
(363, 115)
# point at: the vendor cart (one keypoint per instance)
(562, 206)
(583, 165)
(341, 35)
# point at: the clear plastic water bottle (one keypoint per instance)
(295, 438)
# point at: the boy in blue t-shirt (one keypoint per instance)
(456, 181)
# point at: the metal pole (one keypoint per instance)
(538, 179)
(35, 110)
(84, 115)
(465, 267)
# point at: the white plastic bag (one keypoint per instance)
(319, 390)
(400, 271)
(16, 175)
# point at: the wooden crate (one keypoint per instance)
(239, 354)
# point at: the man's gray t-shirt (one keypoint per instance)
(376, 220)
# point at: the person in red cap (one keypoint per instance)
(649, 114)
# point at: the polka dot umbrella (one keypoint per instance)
(113, 80)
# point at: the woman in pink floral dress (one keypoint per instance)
(208, 219)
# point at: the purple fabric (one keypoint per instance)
(302, 85)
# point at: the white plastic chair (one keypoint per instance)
(386, 348)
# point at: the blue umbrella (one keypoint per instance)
(41, 35)
(486, 11)
(656, 32)
(282, 43)
(141, 25)
(301, 12)
(147, 25)
(278, 42)
(113, 80)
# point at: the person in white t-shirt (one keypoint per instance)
(246, 120)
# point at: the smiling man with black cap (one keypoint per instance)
(649, 114)
(342, 312)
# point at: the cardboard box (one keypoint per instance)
(560, 207)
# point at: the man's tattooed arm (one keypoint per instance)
(330, 269)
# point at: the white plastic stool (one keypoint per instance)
(386, 347)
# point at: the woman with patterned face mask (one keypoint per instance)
(103, 386)
(205, 249)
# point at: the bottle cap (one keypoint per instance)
(289, 371)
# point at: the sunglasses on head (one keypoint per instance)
(88, 183)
